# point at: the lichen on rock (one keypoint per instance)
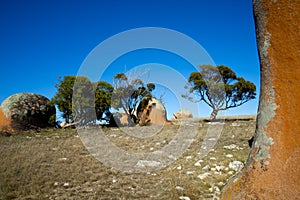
(28, 111)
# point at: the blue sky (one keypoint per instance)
(42, 39)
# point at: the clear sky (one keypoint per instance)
(43, 39)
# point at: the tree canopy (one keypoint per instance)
(78, 97)
(220, 88)
(128, 95)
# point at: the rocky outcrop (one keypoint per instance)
(28, 111)
(154, 113)
(272, 170)
(183, 114)
(5, 128)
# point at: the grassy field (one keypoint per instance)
(54, 164)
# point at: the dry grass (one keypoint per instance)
(54, 164)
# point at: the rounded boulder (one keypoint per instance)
(28, 111)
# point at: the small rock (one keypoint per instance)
(235, 124)
(179, 167)
(221, 183)
(204, 147)
(172, 157)
(63, 159)
(188, 157)
(236, 165)
(218, 173)
(229, 155)
(214, 189)
(217, 189)
(179, 188)
(219, 168)
(56, 184)
(197, 164)
(213, 158)
(204, 175)
(184, 198)
(230, 172)
(147, 163)
(230, 147)
(189, 172)
(183, 114)
(66, 184)
(114, 180)
(206, 167)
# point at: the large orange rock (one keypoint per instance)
(154, 113)
(272, 170)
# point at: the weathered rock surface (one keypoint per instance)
(183, 114)
(28, 110)
(153, 114)
(272, 170)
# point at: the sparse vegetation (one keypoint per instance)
(54, 164)
(219, 88)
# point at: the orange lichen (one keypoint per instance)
(5, 123)
(272, 170)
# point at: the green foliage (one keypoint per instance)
(77, 98)
(103, 96)
(52, 120)
(150, 86)
(83, 101)
(128, 95)
(220, 88)
(63, 97)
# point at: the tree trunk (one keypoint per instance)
(131, 120)
(214, 114)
